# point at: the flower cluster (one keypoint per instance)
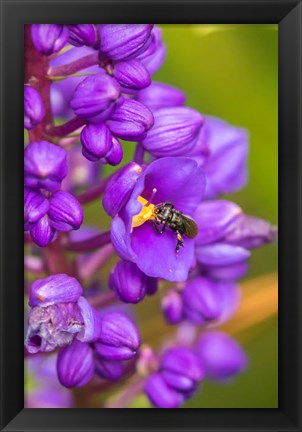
(174, 235)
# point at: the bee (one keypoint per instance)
(166, 215)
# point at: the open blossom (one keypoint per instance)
(174, 180)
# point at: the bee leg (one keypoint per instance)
(159, 231)
(180, 242)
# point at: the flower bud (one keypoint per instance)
(58, 288)
(132, 75)
(123, 41)
(172, 307)
(174, 131)
(42, 232)
(202, 300)
(128, 282)
(119, 338)
(45, 165)
(82, 34)
(34, 110)
(49, 38)
(131, 121)
(154, 56)
(96, 140)
(35, 207)
(181, 369)
(119, 188)
(215, 219)
(75, 364)
(160, 394)
(114, 155)
(159, 95)
(94, 99)
(225, 142)
(110, 370)
(221, 355)
(222, 261)
(65, 212)
(250, 232)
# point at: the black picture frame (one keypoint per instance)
(288, 15)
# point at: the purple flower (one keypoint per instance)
(95, 98)
(96, 140)
(215, 219)
(172, 307)
(154, 56)
(114, 155)
(251, 232)
(119, 188)
(108, 369)
(209, 302)
(131, 75)
(161, 394)
(222, 356)
(65, 212)
(34, 110)
(42, 232)
(45, 166)
(174, 133)
(179, 373)
(75, 365)
(130, 121)
(123, 41)
(82, 34)
(159, 95)
(225, 143)
(43, 217)
(59, 314)
(49, 38)
(176, 180)
(223, 261)
(129, 283)
(181, 369)
(35, 207)
(118, 339)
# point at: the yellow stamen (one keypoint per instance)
(147, 213)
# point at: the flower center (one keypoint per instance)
(147, 212)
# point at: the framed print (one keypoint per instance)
(161, 184)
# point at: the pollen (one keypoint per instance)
(147, 213)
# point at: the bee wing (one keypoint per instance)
(190, 227)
